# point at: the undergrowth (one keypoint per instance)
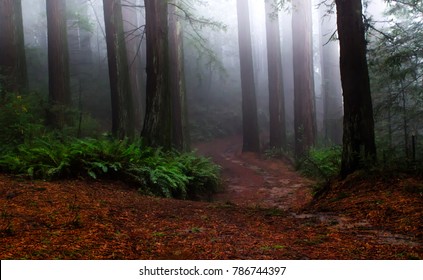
(20, 118)
(28, 148)
(155, 172)
(322, 164)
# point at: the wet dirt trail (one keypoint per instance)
(252, 180)
(262, 213)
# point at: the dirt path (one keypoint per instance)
(260, 215)
(253, 181)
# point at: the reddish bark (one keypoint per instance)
(277, 127)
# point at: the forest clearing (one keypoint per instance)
(259, 215)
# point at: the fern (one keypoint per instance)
(322, 163)
(204, 175)
(152, 170)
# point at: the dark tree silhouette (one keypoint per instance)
(120, 88)
(157, 124)
(12, 47)
(358, 139)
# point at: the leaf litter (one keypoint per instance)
(266, 211)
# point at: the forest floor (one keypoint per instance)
(265, 211)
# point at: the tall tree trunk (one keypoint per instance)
(180, 133)
(120, 88)
(81, 62)
(304, 104)
(12, 48)
(358, 140)
(58, 64)
(251, 141)
(133, 41)
(404, 119)
(157, 124)
(277, 129)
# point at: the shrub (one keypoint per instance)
(19, 118)
(322, 163)
(203, 174)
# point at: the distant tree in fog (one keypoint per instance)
(304, 105)
(180, 133)
(134, 35)
(13, 70)
(277, 128)
(251, 141)
(331, 79)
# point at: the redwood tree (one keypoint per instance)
(251, 141)
(157, 124)
(12, 48)
(134, 42)
(180, 133)
(120, 87)
(58, 63)
(358, 139)
(304, 107)
(277, 129)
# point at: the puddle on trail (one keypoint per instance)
(362, 229)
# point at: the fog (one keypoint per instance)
(211, 57)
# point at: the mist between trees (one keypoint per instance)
(287, 75)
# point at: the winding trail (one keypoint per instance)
(252, 180)
(262, 213)
(255, 181)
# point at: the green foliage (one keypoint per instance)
(204, 175)
(153, 171)
(159, 174)
(22, 119)
(322, 163)
(395, 64)
(19, 118)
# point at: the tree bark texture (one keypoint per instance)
(304, 104)
(358, 139)
(13, 70)
(251, 141)
(157, 124)
(180, 132)
(58, 64)
(277, 128)
(120, 88)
